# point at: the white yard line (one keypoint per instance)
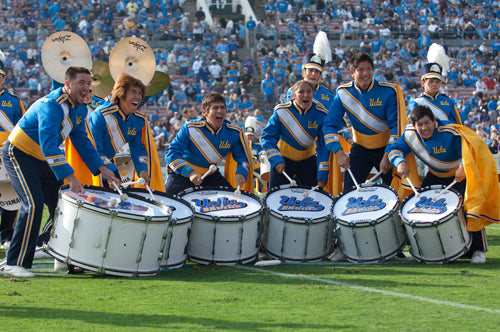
(369, 289)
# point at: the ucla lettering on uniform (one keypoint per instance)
(78, 119)
(376, 102)
(427, 205)
(312, 125)
(439, 150)
(360, 205)
(325, 97)
(131, 131)
(6, 103)
(291, 203)
(224, 145)
(222, 203)
(444, 103)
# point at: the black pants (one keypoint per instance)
(177, 183)
(304, 172)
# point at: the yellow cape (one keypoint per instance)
(231, 166)
(482, 194)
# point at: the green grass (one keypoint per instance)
(399, 295)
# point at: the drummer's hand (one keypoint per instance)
(110, 176)
(75, 185)
(321, 184)
(280, 168)
(239, 179)
(385, 164)
(195, 178)
(342, 159)
(460, 173)
(145, 175)
(403, 169)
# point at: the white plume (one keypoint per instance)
(2, 56)
(322, 47)
(438, 55)
(251, 121)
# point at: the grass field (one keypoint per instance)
(397, 295)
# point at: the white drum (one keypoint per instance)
(298, 225)
(265, 167)
(4, 177)
(225, 228)
(125, 240)
(436, 230)
(368, 226)
(8, 196)
(175, 251)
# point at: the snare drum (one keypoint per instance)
(368, 226)
(175, 251)
(125, 164)
(436, 230)
(298, 224)
(225, 226)
(8, 196)
(126, 240)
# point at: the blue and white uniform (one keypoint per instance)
(322, 95)
(37, 165)
(441, 105)
(197, 146)
(292, 136)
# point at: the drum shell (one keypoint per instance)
(371, 241)
(441, 241)
(224, 240)
(105, 241)
(297, 239)
(265, 168)
(175, 252)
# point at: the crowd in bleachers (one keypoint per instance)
(258, 60)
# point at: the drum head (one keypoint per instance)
(95, 197)
(180, 208)
(369, 204)
(299, 202)
(222, 202)
(424, 209)
(8, 197)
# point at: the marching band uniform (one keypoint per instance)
(441, 105)
(449, 147)
(11, 110)
(197, 146)
(375, 116)
(37, 166)
(293, 136)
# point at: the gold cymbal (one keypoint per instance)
(133, 56)
(62, 50)
(102, 82)
(159, 83)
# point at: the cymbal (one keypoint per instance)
(62, 50)
(102, 82)
(159, 83)
(133, 56)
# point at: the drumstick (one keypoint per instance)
(112, 202)
(140, 182)
(369, 182)
(306, 193)
(237, 192)
(417, 194)
(445, 189)
(123, 197)
(169, 211)
(358, 188)
(292, 182)
(211, 170)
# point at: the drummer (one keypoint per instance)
(292, 138)
(203, 142)
(118, 122)
(12, 109)
(37, 166)
(453, 152)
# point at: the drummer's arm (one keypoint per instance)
(460, 173)
(75, 185)
(403, 169)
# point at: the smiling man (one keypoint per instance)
(37, 165)
(377, 114)
(292, 138)
(118, 122)
(203, 142)
(453, 153)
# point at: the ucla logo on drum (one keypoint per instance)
(291, 203)
(360, 205)
(121, 205)
(427, 205)
(223, 203)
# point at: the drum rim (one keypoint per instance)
(167, 195)
(121, 214)
(431, 187)
(396, 207)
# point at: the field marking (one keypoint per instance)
(369, 289)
